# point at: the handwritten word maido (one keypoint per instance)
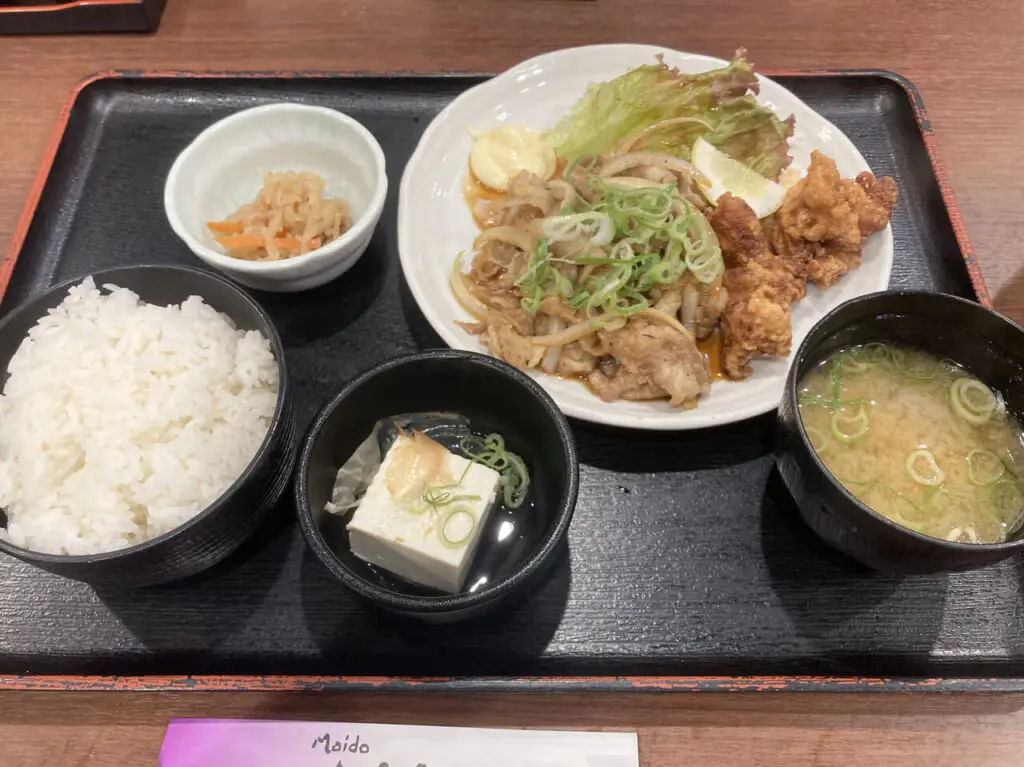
(345, 746)
(338, 746)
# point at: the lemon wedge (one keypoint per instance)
(723, 174)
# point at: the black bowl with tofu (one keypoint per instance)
(420, 535)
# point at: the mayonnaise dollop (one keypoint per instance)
(500, 155)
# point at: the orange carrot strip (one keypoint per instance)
(242, 241)
(255, 241)
(225, 227)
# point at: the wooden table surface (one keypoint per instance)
(966, 58)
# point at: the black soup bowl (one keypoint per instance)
(988, 345)
(516, 549)
(217, 531)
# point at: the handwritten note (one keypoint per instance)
(240, 743)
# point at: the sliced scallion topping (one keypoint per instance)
(448, 531)
(630, 240)
(589, 226)
(854, 366)
(872, 353)
(834, 375)
(831, 404)
(490, 451)
(436, 498)
(984, 467)
(1006, 500)
(902, 507)
(818, 439)
(856, 487)
(923, 469)
(919, 367)
(972, 400)
(537, 278)
(863, 472)
(849, 428)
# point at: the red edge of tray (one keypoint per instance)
(293, 683)
(28, 10)
(580, 684)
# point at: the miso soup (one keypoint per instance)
(918, 440)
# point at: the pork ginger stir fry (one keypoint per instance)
(613, 273)
(609, 275)
(290, 217)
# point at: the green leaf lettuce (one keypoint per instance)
(656, 108)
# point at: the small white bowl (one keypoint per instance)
(223, 169)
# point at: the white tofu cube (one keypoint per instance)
(409, 544)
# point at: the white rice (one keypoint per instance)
(122, 420)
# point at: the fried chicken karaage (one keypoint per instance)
(761, 287)
(816, 235)
(826, 218)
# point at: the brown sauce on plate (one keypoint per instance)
(711, 347)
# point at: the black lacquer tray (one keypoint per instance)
(688, 566)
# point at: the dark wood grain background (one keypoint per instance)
(966, 58)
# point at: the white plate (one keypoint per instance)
(434, 222)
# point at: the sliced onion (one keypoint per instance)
(578, 226)
(665, 319)
(625, 162)
(469, 302)
(631, 182)
(550, 361)
(570, 334)
(581, 330)
(562, 191)
(513, 235)
(539, 201)
(691, 301)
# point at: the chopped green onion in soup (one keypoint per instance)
(919, 440)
